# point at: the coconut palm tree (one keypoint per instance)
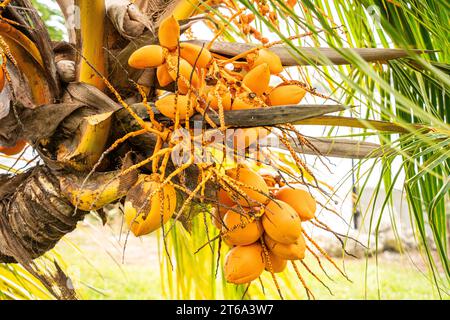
(73, 101)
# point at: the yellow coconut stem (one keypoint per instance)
(83, 153)
(184, 9)
(92, 15)
(100, 189)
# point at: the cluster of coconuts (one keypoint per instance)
(263, 226)
(194, 68)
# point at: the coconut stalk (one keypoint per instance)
(92, 36)
(96, 190)
(83, 154)
(184, 9)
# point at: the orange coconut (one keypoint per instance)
(300, 200)
(184, 72)
(278, 264)
(266, 56)
(224, 94)
(291, 3)
(244, 101)
(147, 57)
(245, 137)
(257, 191)
(293, 251)
(286, 95)
(257, 79)
(244, 264)
(169, 33)
(147, 205)
(163, 76)
(239, 230)
(195, 55)
(166, 106)
(281, 222)
(225, 202)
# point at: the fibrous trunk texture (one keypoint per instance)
(34, 215)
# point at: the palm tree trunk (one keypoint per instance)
(34, 215)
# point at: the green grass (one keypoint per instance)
(395, 282)
(100, 274)
(135, 282)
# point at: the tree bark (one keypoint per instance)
(34, 215)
